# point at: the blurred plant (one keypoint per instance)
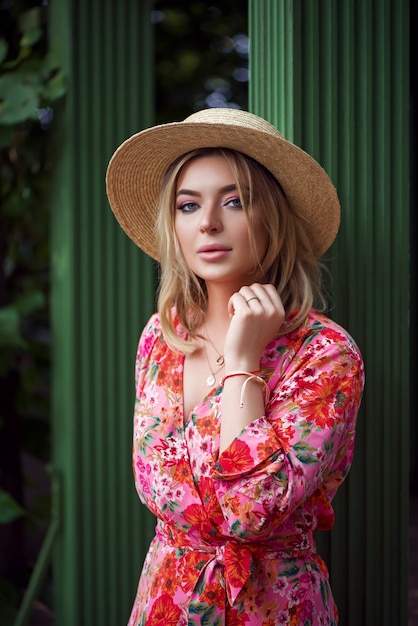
(201, 51)
(30, 81)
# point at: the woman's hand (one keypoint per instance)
(256, 313)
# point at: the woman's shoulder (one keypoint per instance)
(318, 344)
(150, 335)
(153, 325)
(323, 326)
(153, 333)
(320, 332)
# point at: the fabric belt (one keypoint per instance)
(236, 560)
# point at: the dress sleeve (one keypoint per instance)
(149, 336)
(303, 447)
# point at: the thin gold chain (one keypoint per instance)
(220, 360)
(211, 380)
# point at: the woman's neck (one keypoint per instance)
(217, 314)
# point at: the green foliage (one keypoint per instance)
(9, 602)
(28, 80)
(9, 509)
(201, 56)
(31, 81)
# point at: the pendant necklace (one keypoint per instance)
(211, 380)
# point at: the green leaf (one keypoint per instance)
(56, 87)
(9, 509)
(5, 136)
(10, 335)
(31, 37)
(50, 63)
(28, 302)
(19, 97)
(3, 49)
(29, 20)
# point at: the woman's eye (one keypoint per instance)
(187, 207)
(235, 203)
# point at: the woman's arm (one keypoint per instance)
(256, 314)
(304, 441)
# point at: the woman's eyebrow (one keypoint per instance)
(190, 192)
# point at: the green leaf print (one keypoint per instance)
(204, 611)
(302, 451)
(340, 399)
(290, 571)
(324, 592)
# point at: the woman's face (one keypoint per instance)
(211, 226)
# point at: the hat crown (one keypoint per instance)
(235, 117)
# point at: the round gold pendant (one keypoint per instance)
(220, 360)
(210, 381)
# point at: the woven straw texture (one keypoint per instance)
(137, 168)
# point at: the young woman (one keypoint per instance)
(246, 395)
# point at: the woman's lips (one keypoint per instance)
(213, 252)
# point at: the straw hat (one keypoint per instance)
(137, 168)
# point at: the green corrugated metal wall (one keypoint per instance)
(102, 292)
(334, 77)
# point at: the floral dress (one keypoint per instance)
(234, 536)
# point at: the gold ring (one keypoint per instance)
(252, 298)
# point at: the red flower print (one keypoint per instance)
(209, 499)
(169, 564)
(171, 451)
(196, 516)
(182, 474)
(236, 618)
(284, 433)
(190, 572)
(205, 426)
(236, 458)
(317, 406)
(167, 361)
(164, 612)
(234, 505)
(212, 594)
(169, 585)
(238, 562)
(332, 334)
(268, 446)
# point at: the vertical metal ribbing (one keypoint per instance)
(103, 292)
(269, 47)
(349, 89)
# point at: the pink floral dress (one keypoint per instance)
(234, 537)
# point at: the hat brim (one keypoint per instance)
(136, 170)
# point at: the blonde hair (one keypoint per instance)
(289, 263)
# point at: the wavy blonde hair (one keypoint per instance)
(289, 263)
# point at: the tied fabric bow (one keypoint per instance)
(237, 563)
(229, 563)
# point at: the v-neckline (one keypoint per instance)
(211, 392)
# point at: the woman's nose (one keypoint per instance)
(211, 219)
